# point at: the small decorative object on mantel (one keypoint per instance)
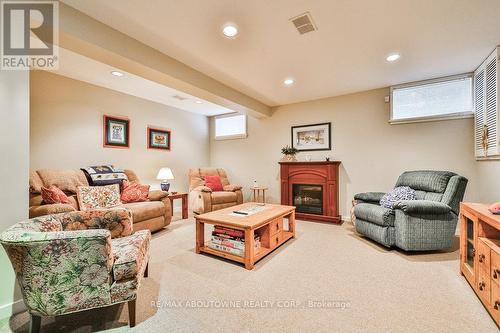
(164, 175)
(327, 158)
(116, 132)
(312, 137)
(289, 153)
(159, 138)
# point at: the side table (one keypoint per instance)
(184, 197)
(257, 195)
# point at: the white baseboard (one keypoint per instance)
(13, 308)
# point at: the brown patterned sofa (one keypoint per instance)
(201, 197)
(153, 214)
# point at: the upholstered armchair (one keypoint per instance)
(203, 200)
(77, 261)
(428, 223)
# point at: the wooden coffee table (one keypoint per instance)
(268, 224)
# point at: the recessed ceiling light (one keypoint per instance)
(288, 82)
(393, 57)
(116, 73)
(198, 102)
(230, 30)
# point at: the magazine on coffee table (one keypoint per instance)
(249, 210)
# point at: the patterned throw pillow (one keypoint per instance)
(397, 194)
(134, 192)
(93, 197)
(53, 195)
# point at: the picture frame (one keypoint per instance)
(313, 137)
(116, 132)
(159, 138)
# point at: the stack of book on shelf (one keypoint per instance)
(230, 240)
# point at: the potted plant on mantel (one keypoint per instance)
(289, 153)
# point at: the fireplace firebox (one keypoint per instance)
(308, 198)
(312, 187)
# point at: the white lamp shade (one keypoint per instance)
(165, 174)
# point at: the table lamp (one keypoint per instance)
(165, 174)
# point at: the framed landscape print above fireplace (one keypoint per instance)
(312, 137)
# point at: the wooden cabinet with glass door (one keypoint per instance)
(480, 254)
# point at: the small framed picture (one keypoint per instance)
(159, 138)
(116, 132)
(312, 137)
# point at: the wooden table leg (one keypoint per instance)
(249, 249)
(263, 196)
(184, 207)
(200, 235)
(291, 223)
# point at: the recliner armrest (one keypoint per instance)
(157, 195)
(232, 188)
(369, 196)
(422, 207)
(202, 189)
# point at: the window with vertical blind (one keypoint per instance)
(487, 115)
(233, 126)
(437, 99)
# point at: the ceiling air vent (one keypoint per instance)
(304, 23)
(179, 97)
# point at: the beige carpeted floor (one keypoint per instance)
(326, 280)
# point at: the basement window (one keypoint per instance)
(232, 126)
(437, 99)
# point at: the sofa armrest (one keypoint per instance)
(118, 221)
(422, 207)
(157, 195)
(369, 196)
(35, 211)
(202, 189)
(232, 188)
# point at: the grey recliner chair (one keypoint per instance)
(428, 223)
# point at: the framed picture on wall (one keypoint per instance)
(312, 137)
(159, 138)
(116, 132)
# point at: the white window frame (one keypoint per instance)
(230, 137)
(449, 116)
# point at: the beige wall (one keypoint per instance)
(489, 181)
(14, 167)
(66, 130)
(373, 152)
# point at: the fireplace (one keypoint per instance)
(312, 187)
(308, 198)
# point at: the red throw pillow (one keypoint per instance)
(133, 192)
(53, 195)
(214, 183)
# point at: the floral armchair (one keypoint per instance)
(77, 261)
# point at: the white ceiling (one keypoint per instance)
(81, 68)
(347, 53)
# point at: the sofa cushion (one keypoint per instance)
(53, 195)
(134, 192)
(214, 183)
(374, 214)
(146, 210)
(131, 254)
(66, 180)
(223, 197)
(93, 197)
(425, 180)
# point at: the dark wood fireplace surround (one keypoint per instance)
(324, 173)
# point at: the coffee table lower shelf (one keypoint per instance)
(261, 252)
